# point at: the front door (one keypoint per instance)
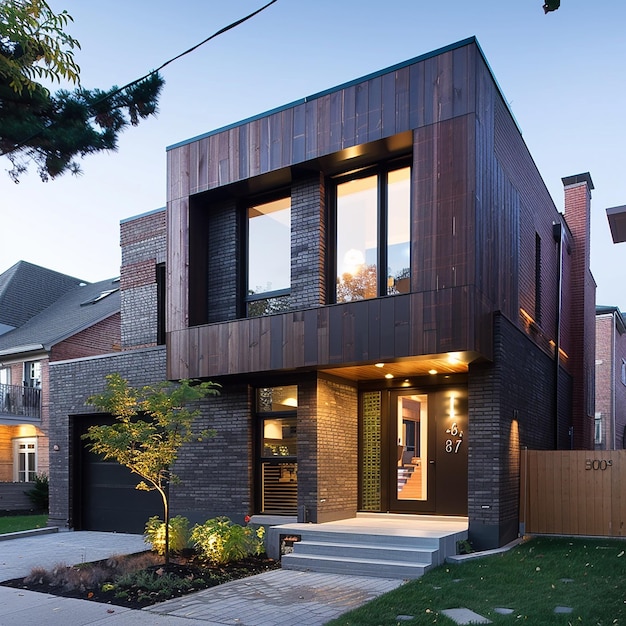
(414, 451)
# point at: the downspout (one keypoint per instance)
(614, 370)
(557, 233)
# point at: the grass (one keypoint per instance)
(588, 575)
(14, 523)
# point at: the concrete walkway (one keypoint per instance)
(276, 598)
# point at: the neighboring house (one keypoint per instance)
(379, 279)
(45, 316)
(610, 420)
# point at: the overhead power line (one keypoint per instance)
(182, 54)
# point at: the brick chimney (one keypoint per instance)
(582, 311)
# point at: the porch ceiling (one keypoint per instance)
(451, 363)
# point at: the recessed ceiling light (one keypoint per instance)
(432, 371)
(388, 375)
(379, 365)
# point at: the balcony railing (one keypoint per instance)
(16, 401)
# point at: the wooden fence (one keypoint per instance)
(578, 492)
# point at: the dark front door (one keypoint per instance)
(414, 451)
(430, 440)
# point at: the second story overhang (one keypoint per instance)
(417, 332)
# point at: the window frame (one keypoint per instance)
(16, 458)
(381, 170)
(247, 298)
(262, 459)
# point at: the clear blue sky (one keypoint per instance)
(563, 74)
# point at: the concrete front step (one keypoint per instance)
(382, 552)
(354, 566)
(327, 533)
(387, 545)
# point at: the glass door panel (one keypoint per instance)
(412, 456)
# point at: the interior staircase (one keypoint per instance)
(386, 546)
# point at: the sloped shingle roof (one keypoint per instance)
(27, 289)
(73, 312)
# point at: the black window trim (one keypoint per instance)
(380, 169)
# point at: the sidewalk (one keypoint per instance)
(275, 598)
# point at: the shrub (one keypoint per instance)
(220, 541)
(39, 494)
(154, 534)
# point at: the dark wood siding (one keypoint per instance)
(452, 319)
(474, 185)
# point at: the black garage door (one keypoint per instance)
(104, 494)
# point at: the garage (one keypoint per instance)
(104, 494)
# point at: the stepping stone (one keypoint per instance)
(465, 616)
(563, 609)
(503, 611)
(566, 580)
(404, 618)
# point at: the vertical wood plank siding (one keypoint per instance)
(350, 333)
(429, 91)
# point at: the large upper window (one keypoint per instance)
(373, 226)
(269, 257)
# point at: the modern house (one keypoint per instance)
(610, 419)
(381, 282)
(45, 316)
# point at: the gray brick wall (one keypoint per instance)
(308, 228)
(223, 262)
(139, 312)
(510, 407)
(71, 383)
(327, 450)
(338, 444)
(216, 475)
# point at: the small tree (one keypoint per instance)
(152, 424)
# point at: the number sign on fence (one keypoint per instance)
(573, 492)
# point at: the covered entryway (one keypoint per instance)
(104, 494)
(413, 452)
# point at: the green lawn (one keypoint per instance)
(13, 523)
(588, 575)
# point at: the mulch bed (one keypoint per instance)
(185, 574)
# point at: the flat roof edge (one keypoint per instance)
(356, 81)
(136, 217)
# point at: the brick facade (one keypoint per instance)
(506, 414)
(610, 404)
(101, 338)
(582, 311)
(71, 383)
(143, 248)
(308, 218)
(223, 262)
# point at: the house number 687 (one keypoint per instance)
(453, 445)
